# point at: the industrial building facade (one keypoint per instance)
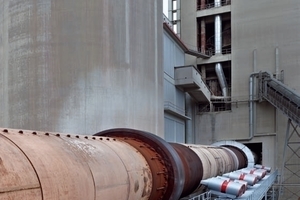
(242, 40)
(83, 67)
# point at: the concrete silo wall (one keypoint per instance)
(81, 66)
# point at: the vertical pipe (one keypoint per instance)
(277, 62)
(217, 3)
(218, 38)
(252, 104)
(254, 92)
(203, 36)
(218, 50)
(189, 136)
(254, 60)
(276, 110)
(202, 7)
(222, 79)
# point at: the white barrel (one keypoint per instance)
(257, 166)
(249, 178)
(260, 173)
(241, 182)
(225, 186)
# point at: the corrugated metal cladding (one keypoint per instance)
(174, 129)
(173, 56)
(81, 66)
(173, 95)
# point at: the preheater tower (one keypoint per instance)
(102, 57)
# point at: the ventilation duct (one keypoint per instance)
(218, 36)
(218, 50)
(222, 79)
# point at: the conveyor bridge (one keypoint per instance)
(288, 101)
(280, 96)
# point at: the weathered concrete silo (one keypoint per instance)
(81, 66)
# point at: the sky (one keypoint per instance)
(165, 7)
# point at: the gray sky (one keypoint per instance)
(165, 7)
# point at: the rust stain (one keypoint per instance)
(147, 181)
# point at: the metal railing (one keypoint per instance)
(212, 52)
(224, 51)
(226, 39)
(213, 5)
(202, 196)
(261, 192)
(258, 192)
(207, 52)
(203, 109)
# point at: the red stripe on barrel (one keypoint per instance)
(242, 176)
(224, 186)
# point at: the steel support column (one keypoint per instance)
(290, 171)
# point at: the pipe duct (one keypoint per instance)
(217, 3)
(218, 50)
(218, 34)
(222, 79)
(252, 106)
